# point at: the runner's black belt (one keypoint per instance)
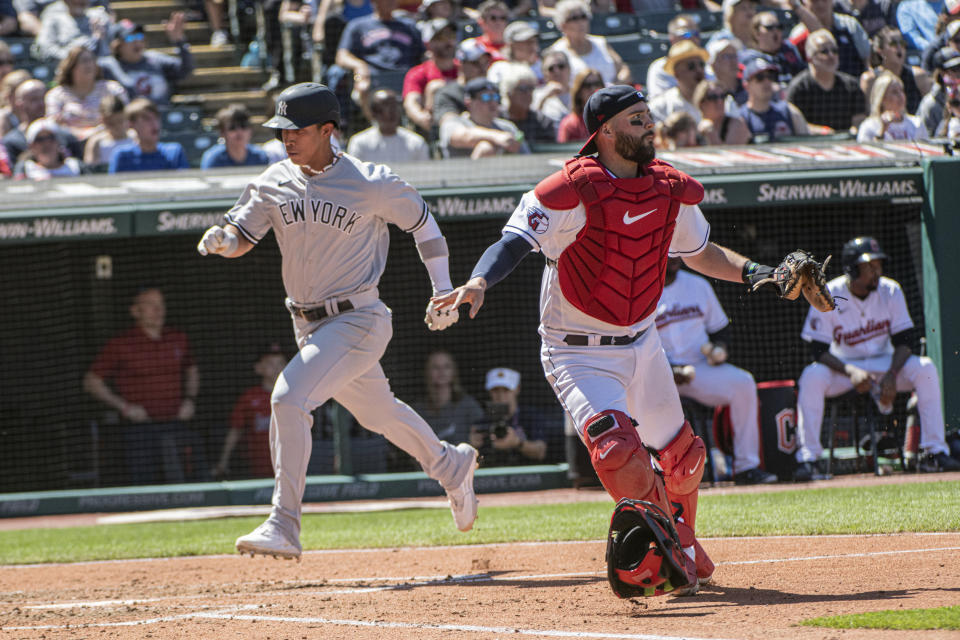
(314, 314)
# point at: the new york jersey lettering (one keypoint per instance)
(320, 212)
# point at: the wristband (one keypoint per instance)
(749, 268)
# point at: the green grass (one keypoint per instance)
(881, 509)
(912, 619)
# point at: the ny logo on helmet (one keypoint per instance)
(282, 108)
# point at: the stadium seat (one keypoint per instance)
(468, 29)
(655, 21)
(635, 49)
(19, 48)
(182, 118)
(613, 24)
(41, 71)
(852, 420)
(708, 21)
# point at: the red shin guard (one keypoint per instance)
(620, 459)
(683, 462)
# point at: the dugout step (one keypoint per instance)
(205, 55)
(146, 11)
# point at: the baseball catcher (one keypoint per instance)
(798, 273)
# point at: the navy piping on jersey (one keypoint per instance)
(706, 239)
(422, 221)
(246, 234)
(522, 232)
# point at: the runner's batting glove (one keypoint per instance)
(439, 319)
(217, 240)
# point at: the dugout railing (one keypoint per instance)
(73, 251)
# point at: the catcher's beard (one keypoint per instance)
(637, 149)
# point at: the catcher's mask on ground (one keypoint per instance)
(644, 557)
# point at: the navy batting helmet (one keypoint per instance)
(858, 251)
(302, 105)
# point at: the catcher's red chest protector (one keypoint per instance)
(614, 270)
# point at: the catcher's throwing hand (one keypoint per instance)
(216, 239)
(471, 293)
(437, 318)
(798, 273)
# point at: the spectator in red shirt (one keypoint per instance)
(250, 421)
(423, 80)
(572, 128)
(493, 19)
(147, 374)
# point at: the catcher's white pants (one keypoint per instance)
(818, 381)
(635, 379)
(725, 384)
(339, 358)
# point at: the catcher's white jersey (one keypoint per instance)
(687, 313)
(331, 227)
(859, 329)
(550, 231)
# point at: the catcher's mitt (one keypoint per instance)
(644, 557)
(798, 273)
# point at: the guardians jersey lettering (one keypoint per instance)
(323, 212)
(859, 328)
(684, 326)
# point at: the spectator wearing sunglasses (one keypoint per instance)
(826, 96)
(853, 44)
(552, 98)
(144, 73)
(889, 118)
(516, 86)
(889, 52)
(492, 18)
(236, 131)
(479, 132)
(572, 128)
(681, 27)
(766, 37)
(687, 62)
(45, 158)
(716, 125)
(946, 77)
(724, 66)
(585, 51)
(768, 118)
(473, 62)
(78, 24)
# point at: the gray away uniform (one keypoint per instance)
(333, 236)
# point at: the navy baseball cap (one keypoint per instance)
(304, 104)
(759, 64)
(479, 85)
(603, 105)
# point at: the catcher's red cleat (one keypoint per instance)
(705, 565)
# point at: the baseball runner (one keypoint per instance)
(693, 330)
(329, 213)
(866, 345)
(606, 225)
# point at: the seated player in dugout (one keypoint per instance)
(511, 433)
(605, 226)
(866, 345)
(694, 331)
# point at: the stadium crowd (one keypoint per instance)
(438, 78)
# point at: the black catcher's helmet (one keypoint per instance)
(857, 251)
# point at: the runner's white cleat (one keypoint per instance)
(269, 539)
(463, 501)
